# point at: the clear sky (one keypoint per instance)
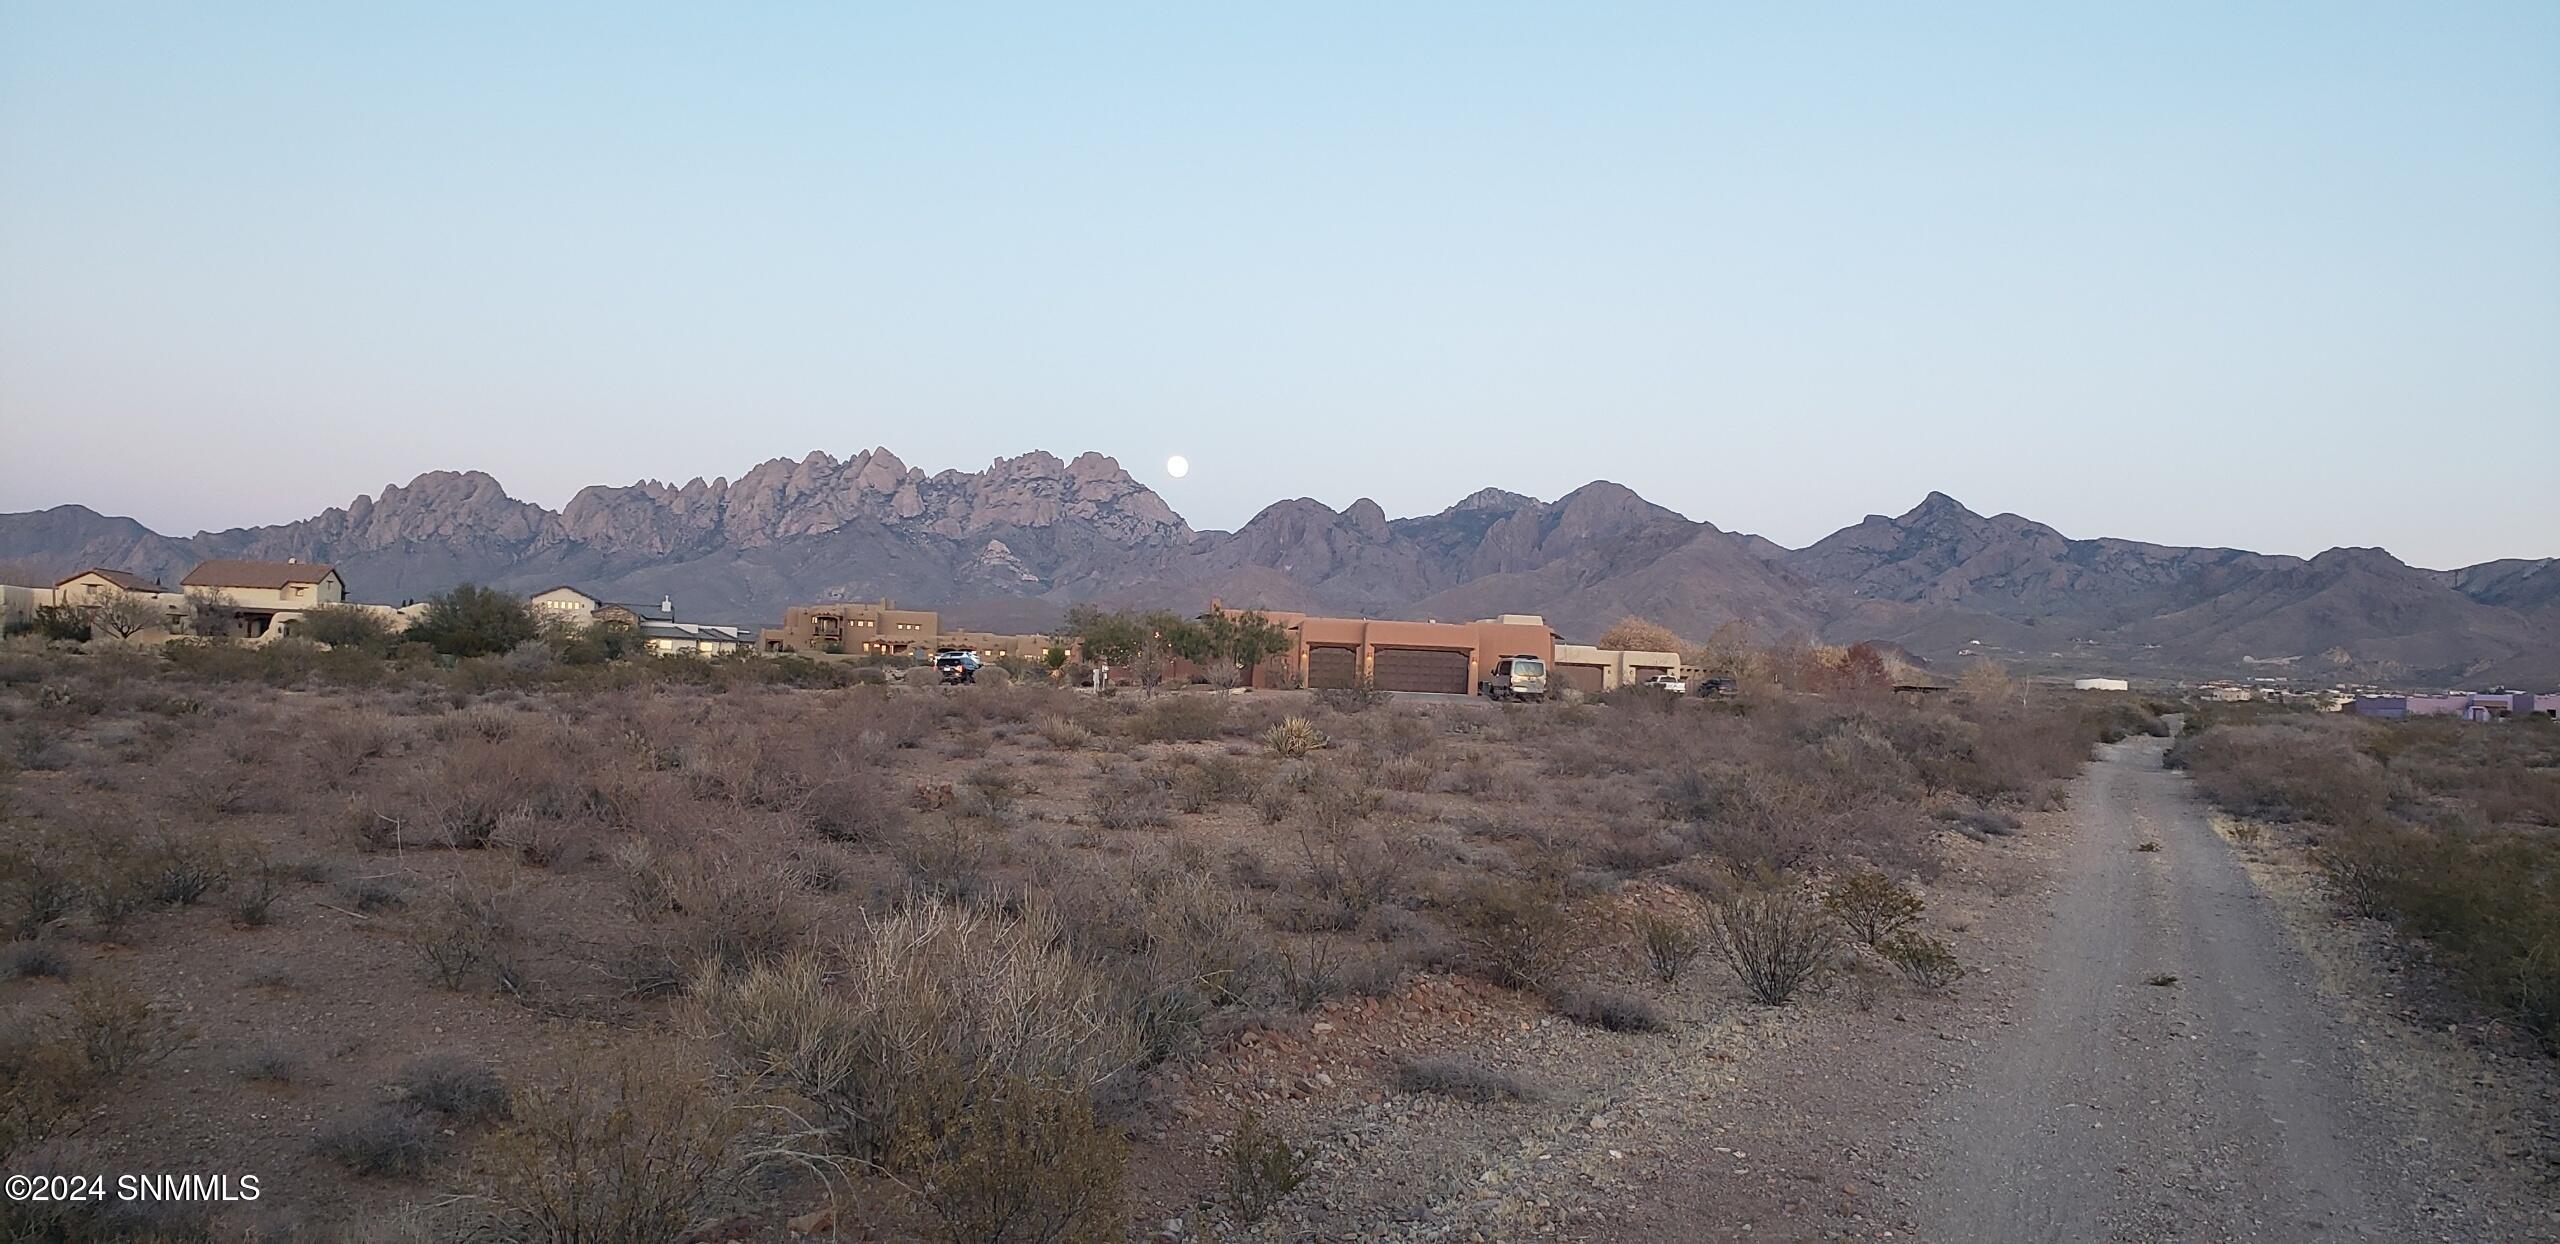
(2274, 276)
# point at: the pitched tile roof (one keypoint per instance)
(223, 572)
(121, 578)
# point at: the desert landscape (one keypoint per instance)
(772, 949)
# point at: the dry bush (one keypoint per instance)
(457, 1086)
(382, 1142)
(272, 1064)
(987, 997)
(1262, 1169)
(1127, 799)
(1776, 941)
(1613, 1009)
(30, 960)
(2287, 770)
(41, 889)
(1181, 719)
(634, 1150)
(1010, 1159)
(1669, 944)
(1461, 1078)
(1872, 906)
(1353, 866)
(1065, 733)
(1519, 933)
(1177, 946)
(1923, 960)
(470, 935)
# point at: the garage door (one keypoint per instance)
(1586, 679)
(1421, 669)
(1333, 667)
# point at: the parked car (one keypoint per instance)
(1516, 678)
(1672, 683)
(1715, 687)
(956, 665)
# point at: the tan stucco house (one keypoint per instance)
(260, 593)
(98, 584)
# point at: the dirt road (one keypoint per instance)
(2170, 1069)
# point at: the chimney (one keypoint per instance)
(667, 604)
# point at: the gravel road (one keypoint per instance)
(2172, 1070)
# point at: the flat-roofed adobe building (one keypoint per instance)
(874, 628)
(1445, 657)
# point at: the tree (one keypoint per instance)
(1109, 637)
(211, 612)
(1988, 681)
(124, 615)
(344, 626)
(1639, 635)
(1728, 653)
(474, 621)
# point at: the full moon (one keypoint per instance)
(1177, 466)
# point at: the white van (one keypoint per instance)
(1516, 678)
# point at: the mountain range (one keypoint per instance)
(1010, 547)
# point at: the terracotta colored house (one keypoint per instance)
(856, 627)
(1447, 657)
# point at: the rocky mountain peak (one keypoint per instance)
(1493, 499)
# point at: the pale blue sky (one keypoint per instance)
(2275, 276)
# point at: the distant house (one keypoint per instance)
(2100, 684)
(872, 628)
(98, 584)
(2481, 706)
(257, 595)
(563, 604)
(658, 629)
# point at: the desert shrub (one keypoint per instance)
(1923, 960)
(471, 936)
(1461, 1078)
(1613, 1009)
(261, 883)
(472, 621)
(964, 993)
(1262, 1169)
(1872, 906)
(1181, 719)
(40, 890)
(633, 1151)
(28, 960)
(2487, 901)
(1518, 932)
(853, 805)
(1980, 824)
(1669, 943)
(272, 1064)
(1274, 802)
(1295, 737)
(1775, 940)
(1065, 733)
(178, 872)
(1010, 1159)
(2286, 770)
(459, 1087)
(344, 626)
(1358, 699)
(1127, 799)
(381, 1143)
(1177, 946)
(1353, 865)
(370, 894)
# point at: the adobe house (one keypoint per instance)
(1447, 657)
(873, 628)
(1591, 670)
(259, 592)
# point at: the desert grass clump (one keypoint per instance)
(1615, 1010)
(381, 1143)
(1462, 1078)
(29, 960)
(1519, 933)
(1775, 940)
(272, 1064)
(1872, 906)
(457, 1086)
(1669, 943)
(1295, 737)
(470, 936)
(1181, 719)
(41, 891)
(1126, 799)
(988, 994)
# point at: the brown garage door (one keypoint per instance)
(1333, 667)
(1421, 669)
(1586, 679)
